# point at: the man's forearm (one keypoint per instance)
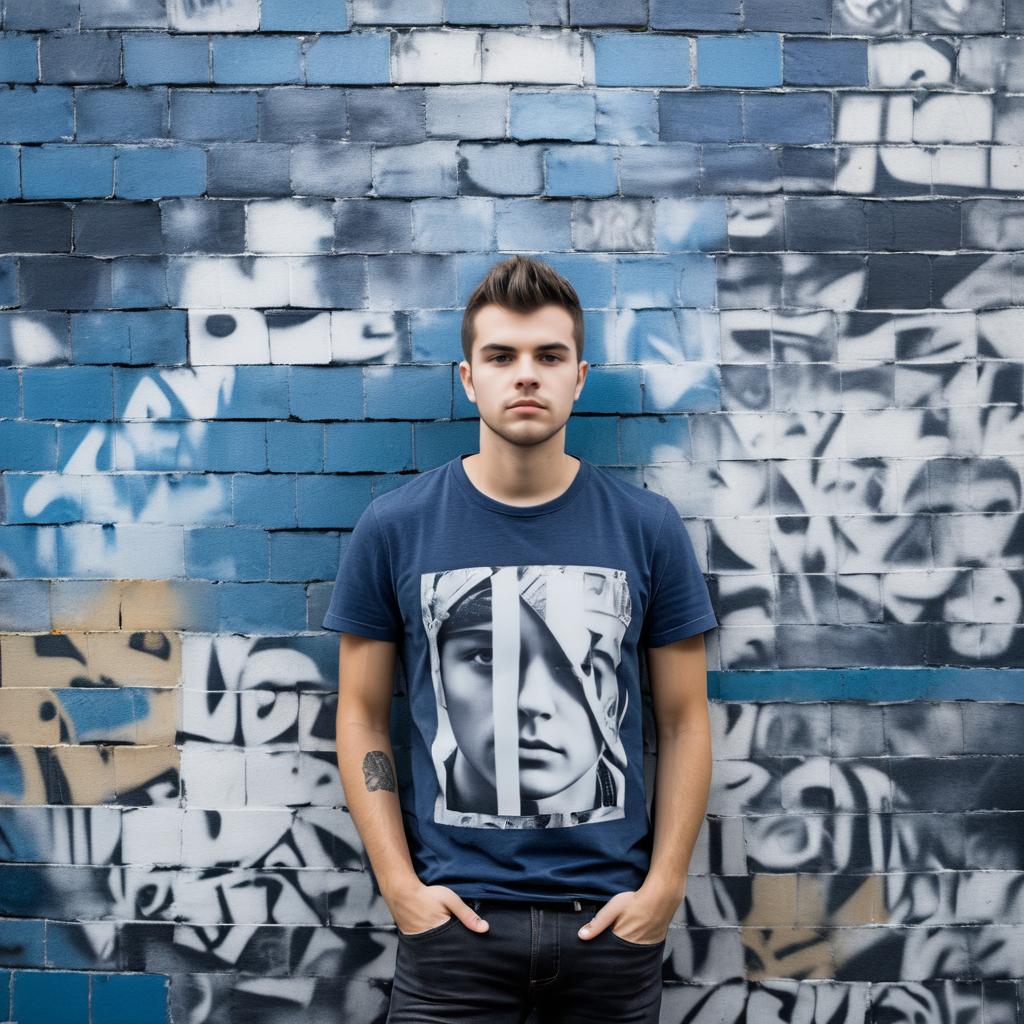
(682, 784)
(367, 766)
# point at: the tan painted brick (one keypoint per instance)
(862, 905)
(787, 953)
(88, 772)
(156, 604)
(160, 726)
(29, 716)
(138, 767)
(772, 899)
(123, 658)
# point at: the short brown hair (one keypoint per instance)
(523, 284)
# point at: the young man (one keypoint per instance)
(518, 856)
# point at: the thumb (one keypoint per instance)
(469, 917)
(596, 924)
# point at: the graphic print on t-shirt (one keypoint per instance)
(524, 664)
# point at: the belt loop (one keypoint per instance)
(576, 905)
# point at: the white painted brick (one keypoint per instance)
(552, 57)
(303, 342)
(152, 835)
(242, 836)
(909, 63)
(865, 118)
(953, 118)
(358, 335)
(289, 225)
(212, 776)
(436, 56)
(960, 166)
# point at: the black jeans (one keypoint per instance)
(530, 959)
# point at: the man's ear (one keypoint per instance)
(466, 376)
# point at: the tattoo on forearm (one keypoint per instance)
(377, 771)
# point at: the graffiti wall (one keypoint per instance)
(236, 241)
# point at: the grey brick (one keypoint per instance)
(407, 282)
(743, 169)
(387, 116)
(500, 169)
(608, 12)
(124, 14)
(466, 111)
(664, 170)
(64, 282)
(302, 114)
(22, 15)
(200, 115)
(422, 169)
(787, 15)
(396, 12)
(331, 169)
(373, 225)
(35, 227)
(817, 225)
(248, 169)
(203, 225)
(696, 14)
(81, 57)
(107, 228)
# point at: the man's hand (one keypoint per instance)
(419, 907)
(635, 915)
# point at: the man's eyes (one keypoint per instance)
(545, 355)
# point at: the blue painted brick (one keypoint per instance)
(552, 115)
(435, 334)
(29, 549)
(24, 607)
(9, 401)
(9, 281)
(627, 117)
(233, 446)
(533, 225)
(31, 14)
(695, 14)
(93, 440)
(303, 16)
(67, 172)
(67, 393)
(18, 57)
(326, 393)
(5, 994)
(227, 554)
(485, 12)
(638, 59)
(644, 440)
(595, 437)
(801, 118)
(408, 392)
(751, 59)
(648, 281)
(295, 447)
(700, 117)
(158, 336)
(81, 57)
(63, 504)
(580, 171)
(352, 447)
(259, 392)
(154, 173)
(120, 115)
(331, 502)
(198, 115)
(362, 58)
(100, 338)
(257, 60)
(453, 225)
(51, 997)
(154, 58)
(267, 500)
(826, 62)
(303, 556)
(262, 607)
(611, 389)
(10, 173)
(688, 225)
(36, 114)
(129, 999)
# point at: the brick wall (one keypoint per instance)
(235, 240)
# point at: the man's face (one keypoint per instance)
(523, 356)
(561, 742)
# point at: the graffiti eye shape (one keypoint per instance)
(220, 325)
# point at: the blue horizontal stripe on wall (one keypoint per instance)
(881, 684)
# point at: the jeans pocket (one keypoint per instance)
(629, 944)
(430, 932)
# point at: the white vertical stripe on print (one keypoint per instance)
(505, 643)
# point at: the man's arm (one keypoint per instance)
(679, 689)
(366, 759)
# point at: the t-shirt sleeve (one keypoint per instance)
(680, 604)
(363, 600)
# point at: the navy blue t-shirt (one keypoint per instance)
(519, 629)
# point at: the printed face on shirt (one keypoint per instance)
(528, 697)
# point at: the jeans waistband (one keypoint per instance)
(571, 905)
